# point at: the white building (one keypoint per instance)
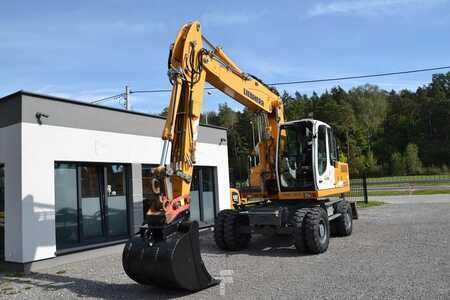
(75, 176)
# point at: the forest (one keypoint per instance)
(379, 132)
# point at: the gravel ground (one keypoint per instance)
(398, 250)
(413, 199)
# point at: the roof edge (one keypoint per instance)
(79, 102)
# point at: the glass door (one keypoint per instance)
(195, 196)
(116, 200)
(92, 211)
(66, 205)
(208, 195)
(203, 195)
(91, 203)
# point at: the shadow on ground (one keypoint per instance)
(260, 245)
(91, 288)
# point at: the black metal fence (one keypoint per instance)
(358, 190)
(362, 188)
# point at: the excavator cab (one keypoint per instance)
(307, 156)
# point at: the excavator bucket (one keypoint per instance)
(173, 261)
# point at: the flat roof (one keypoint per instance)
(97, 106)
(25, 107)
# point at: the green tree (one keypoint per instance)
(164, 112)
(412, 160)
(398, 166)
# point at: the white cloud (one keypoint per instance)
(220, 18)
(368, 7)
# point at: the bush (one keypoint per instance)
(412, 160)
(371, 166)
(398, 166)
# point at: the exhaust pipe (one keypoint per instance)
(167, 256)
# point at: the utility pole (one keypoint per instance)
(127, 98)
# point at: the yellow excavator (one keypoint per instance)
(297, 182)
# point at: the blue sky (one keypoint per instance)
(87, 50)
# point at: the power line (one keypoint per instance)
(360, 76)
(118, 96)
(294, 82)
(162, 90)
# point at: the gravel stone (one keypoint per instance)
(398, 250)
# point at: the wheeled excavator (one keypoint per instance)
(296, 181)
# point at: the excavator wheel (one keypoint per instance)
(298, 234)
(343, 225)
(316, 230)
(227, 231)
(219, 228)
(173, 262)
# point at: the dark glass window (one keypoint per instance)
(332, 146)
(295, 157)
(91, 213)
(90, 203)
(117, 201)
(322, 149)
(195, 196)
(208, 195)
(89, 182)
(66, 205)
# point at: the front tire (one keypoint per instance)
(298, 234)
(317, 230)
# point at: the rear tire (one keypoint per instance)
(343, 225)
(297, 222)
(219, 229)
(227, 234)
(316, 230)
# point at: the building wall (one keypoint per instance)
(10, 156)
(42, 145)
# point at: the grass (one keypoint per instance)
(401, 193)
(370, 204)
(407, 178)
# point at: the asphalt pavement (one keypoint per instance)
(398, 250)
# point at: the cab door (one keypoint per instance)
(324, 171)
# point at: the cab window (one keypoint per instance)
(295, 157)
(322, 149)
(332, 146)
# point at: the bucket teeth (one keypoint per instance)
(173, 262)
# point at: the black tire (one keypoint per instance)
(233, 238)
(219, 229)
(297, 221)
(343, 225)
(316, 230)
